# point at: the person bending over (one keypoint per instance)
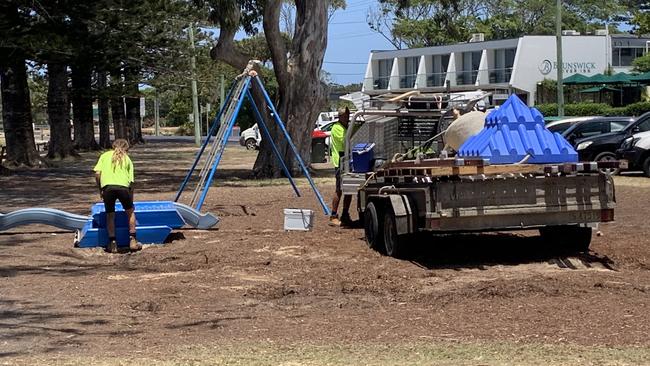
(114, 176)
(337, 149)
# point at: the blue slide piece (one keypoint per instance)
(514, 131)
(195, 218)
(46, 216)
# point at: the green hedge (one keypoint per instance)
(595, 109)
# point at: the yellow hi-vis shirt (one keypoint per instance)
(337, 143)
(120, 174)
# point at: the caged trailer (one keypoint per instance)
(513, 175)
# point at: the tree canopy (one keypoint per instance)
(422, 23)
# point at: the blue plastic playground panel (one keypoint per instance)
(147, 213)
(514, 131)
(98, 237)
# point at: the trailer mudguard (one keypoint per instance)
(404, 217)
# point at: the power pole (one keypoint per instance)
(195, 93)
(156, 114)
(560, 64)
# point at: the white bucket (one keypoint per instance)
(298, 219)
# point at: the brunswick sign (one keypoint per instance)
(546, 66)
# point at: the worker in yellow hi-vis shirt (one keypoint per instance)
(114, 176)
(337, 149)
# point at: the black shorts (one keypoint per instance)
(114, 193)
(337, 173)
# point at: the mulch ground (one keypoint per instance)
(250, 281)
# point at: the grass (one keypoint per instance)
(434, 353)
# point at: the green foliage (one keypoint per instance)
(595, 109)
(419, 23)
(642, 64)
(180, 108)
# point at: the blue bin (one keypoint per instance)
(362, 157)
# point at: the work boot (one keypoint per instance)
(346, 221)
(334, 221)
(134, 245)
(112, 247)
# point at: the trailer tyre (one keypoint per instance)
(373, 227)
(394, 244)
(573, 238)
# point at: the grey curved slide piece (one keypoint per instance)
(46, 216)
(195, 218)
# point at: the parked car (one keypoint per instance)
(251, 138)
(636, 150)
(562, 125)
(326, 129)
(598, 138)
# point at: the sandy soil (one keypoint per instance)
(251, 283)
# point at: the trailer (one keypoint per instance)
(398, 199)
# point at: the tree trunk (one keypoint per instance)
(82, 108)
(17, 115)
(132, 101)
(104, 107)
(117, 106)
(119, 118)
(301, 93)
(58, 112)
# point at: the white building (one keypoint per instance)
(503, 67)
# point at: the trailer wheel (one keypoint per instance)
(573, 238)
(393, 243)
(373, 229)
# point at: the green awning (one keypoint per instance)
(598, 79)
(598, 89)
(641, 77)
(576, 79)
(620, 78)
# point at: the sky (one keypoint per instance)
(350, 41)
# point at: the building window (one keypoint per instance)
(385, 68)
(470, 64)
(439, 65)
(623, 56)
(504, 59)
(411, 65)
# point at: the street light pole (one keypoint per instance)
(195, 93)
(560, 64)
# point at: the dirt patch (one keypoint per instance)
(249, 281)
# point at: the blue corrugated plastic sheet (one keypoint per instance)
(514, 131)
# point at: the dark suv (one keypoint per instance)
(597, 139)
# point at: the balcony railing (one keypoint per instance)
(381, 82)
(436, 79)
(407, 81)
(466, 77)
(498, 76)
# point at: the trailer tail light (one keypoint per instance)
(607, 215)
(434, 224)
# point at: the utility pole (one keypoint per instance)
(222, 92)
(195, 93)
(560, 64)
(156, 114)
